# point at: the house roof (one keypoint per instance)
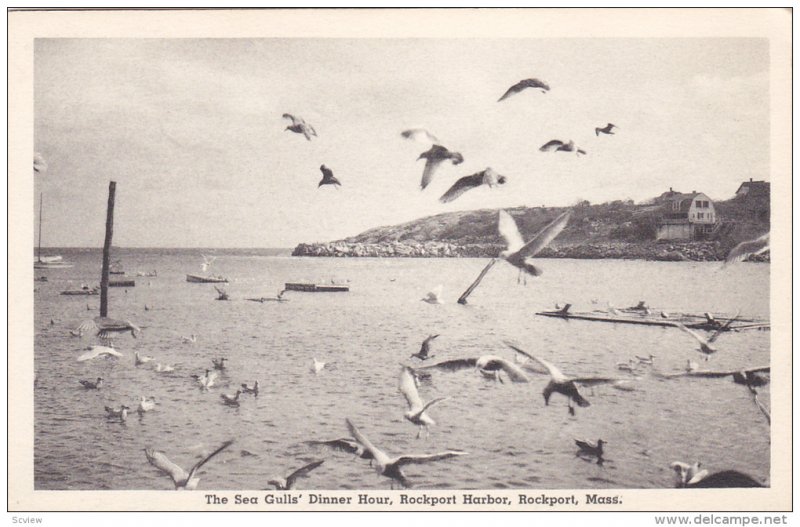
(754, 186)
(685, 201)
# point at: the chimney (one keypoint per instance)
(670, 189)
(751, 180)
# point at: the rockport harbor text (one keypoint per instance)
(539, 500)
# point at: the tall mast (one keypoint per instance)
(39, 251)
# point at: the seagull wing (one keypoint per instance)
(87, 325)
(409, 389)
(427, 458)
(379, 455)
(507, 228)
(554, 372)
(695, 334)
(96, 351)
(545, 236)
(203, 461)
(302, 471)
(724, 328)
(427, 173)
(292, 117)
(745, 249)
(452, 365)
(514, 372)
(551, 145)
(160, 460)
(462, 185)
(426, 346)
(721, 373)
(343, 445)
(420, 135)
(593, 381)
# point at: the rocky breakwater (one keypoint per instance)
(654, 251)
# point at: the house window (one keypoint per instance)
(676, 205)
(699, 215)
(705, 204)
(698, 203)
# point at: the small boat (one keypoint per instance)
(200, 279)
(47, 262)
(81, 292)
(316, 288)
(122, 283)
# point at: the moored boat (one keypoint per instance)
(316, 288)
(200, 279)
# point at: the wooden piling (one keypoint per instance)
(112, 187)
(463, 298)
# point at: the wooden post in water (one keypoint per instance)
(463, 298)
(112, 187)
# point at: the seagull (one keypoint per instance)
(591, 449)
(207, 260)
(221, 294)
(89, 385)
(288, 483)
(97, 351)
(434, 296)
(555, 145)
(518, 252)
(416, 408)
(317, 366)
(424, 352)
(121, 412)
(219, 364)
(747, 248)
(486, 177)
(250, 389)
(745, 376)
(164, 368)
(607, 129)
(524, 84)
(564, 385)
(691, 365)
(206, 380)
(345, 444)
(190, 339)
(484, 363)
(231, 400)
(705, 345)
(627, 366)
(105, 326)
(299, 126)
(420, 135)
(392, 467)
(328, 177)
(76, 332)
(725, 479)
(39, 164)
(687, 474)
(435, 157)
(145, 404)
(183, 480)
(138, 360)
(646, 360)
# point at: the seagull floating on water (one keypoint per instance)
(96, 385)
(206, 380)
(607, 129)
(164, 368)
(523, 85)
(219, 364)
(591, 449)
(105, 326)
(556, 145)
(392, 467)
(299, 126)
(434, 157)
(416, 413)
(138, 360)
(183, 480)
(518, 253)
(231, 400)
(317, 366)
(250, 389)
(98, 351)
(747, 248)
(419, 135)
(646, 360)
(328, 178)
(290, 480)
(120, 413)
(486, 177)
(190, 339)
(424, 352)
(146, 404)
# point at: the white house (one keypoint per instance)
(686, 216)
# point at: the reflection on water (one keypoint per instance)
(513, 439)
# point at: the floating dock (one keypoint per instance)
(200, 279)
(122, 283)
(644, 319)
(316, 288)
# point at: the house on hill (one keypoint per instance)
(753, 189)
(686, 216)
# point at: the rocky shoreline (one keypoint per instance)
(654, 251)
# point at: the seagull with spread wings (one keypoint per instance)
(486, 177)
(523, 85)
(416, 413)
(289, 481)
(183, 480)
(607, 129)
(518, 252)
(105, 326)
(419, 135)
(748, 248)
(328, 178)
(705, 344)
(345, 444)
(434, 157)
(560, 383)
(299, 126)
(98, 351)
(556, 145)
(424, 351)
(207, 260)
(489, 364)
(391, 467)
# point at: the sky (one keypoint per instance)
(191, 130)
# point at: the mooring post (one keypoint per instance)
(463, 298)
(112, 187)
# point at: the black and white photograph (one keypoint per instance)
(336, 260)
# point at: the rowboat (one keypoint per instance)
(316, 288)
(199, 279)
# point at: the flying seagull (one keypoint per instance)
(105, 326)
(607, 129)
(97, 351)
(560, 146)
(518, 252)
(416, 413)
(434, 296)
(435, 157)
(392, 467)
(705, 344)
(485, 363)
(345, 444)
(183, 480)
(328, 177)
(420, 135)
(424, 352)
(291, 479)
(207, 260)
(39, 164)
(299, 126)
(564, 385)
(747, 248)
(524, 84)
(486, 177)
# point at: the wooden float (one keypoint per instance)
(316, 288)
(635, 317)
(122, 283)
(200, 279)
(80, 292)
